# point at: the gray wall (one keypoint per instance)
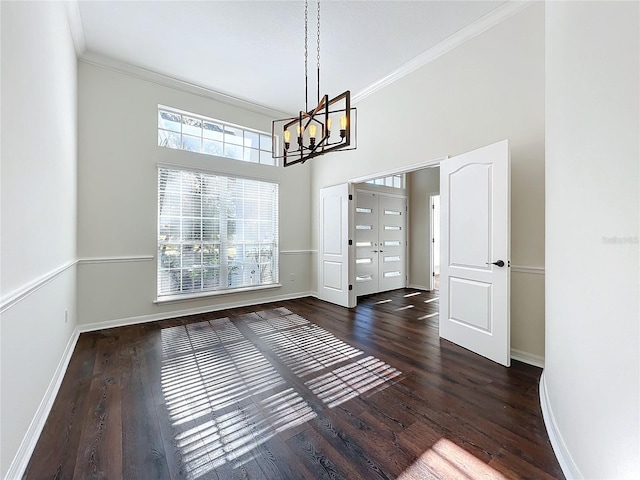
(488, 89)
(38, 218)
(117, 197)
(591, 381)
(421, 183)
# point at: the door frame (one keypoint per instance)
(434, 162)
(430, 196)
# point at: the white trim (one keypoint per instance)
(121, 322)
(187, 297)
(529, 358)
(108, 63)
(214, 171)
(136, 258)
(481, 25)
(72, 8)
(568, 466)
(527, 269)
(298, 252)
(23, 292)
(27, 446)
(406, 169)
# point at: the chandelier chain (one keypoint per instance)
(306, 54)
(318, 48)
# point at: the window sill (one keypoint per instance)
(199, 296)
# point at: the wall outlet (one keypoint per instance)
(292, 277)
(66, 316)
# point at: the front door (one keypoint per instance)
(381, 242)
(475, 248)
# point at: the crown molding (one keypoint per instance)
(75, 26)
(472, 30)
(118, 66)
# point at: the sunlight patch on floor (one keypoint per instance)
(445, 459)
(225, 398)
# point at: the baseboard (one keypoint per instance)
(568, 466)
(530, 358)
(418, 287)
(28, 445)
(122, 322)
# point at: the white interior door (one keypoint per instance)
(334, 261)
(392, 242)
(366, 239)
(475, 243)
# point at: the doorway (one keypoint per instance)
(434, 212)
(380, 242)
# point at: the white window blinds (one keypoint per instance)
(215, 232)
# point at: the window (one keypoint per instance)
(215, 232)
(395, 181)
(195, 133)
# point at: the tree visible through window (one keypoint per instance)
(195, 133)
(215, 232)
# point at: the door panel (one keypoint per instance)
(392, 242)
(475, 227)
(366, 239)
(334, 266)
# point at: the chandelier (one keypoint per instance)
(310, 134)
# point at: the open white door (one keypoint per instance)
(334, 259)
(475, 234)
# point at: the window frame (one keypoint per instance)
(219, 289)
(226, 142)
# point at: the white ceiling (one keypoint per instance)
(254, 50)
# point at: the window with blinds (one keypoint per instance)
(215, 232)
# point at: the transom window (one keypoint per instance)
(195, 133)
(395, 181)
(215, 232)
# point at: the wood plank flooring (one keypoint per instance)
(299, 389)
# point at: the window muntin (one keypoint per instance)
(195, 133)
(215, 232)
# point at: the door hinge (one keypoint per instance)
(350, 287)
(433, 207)
(350, 242)
(350, 197)
(508, 263)
(433, 240)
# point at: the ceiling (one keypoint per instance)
(254, 50)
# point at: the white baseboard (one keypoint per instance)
(568, 466)
(530, 358)
(418, 287)
(121, 322)
(28, 445)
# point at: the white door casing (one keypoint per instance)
(475, 232)
(334, 258)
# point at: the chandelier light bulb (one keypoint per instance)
(312, 131)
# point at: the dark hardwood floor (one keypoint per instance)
(299, 389)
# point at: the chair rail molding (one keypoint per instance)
(23, 292)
